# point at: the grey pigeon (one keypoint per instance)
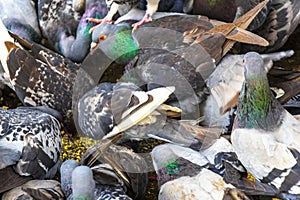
(265, 136)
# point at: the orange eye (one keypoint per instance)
(102, 37)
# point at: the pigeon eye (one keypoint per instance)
(244, 61)
(102, 37)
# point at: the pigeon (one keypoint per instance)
(58, 20)
(20, 18)
(77, 46)
(265, 136)
(30, 145)
(39, 76)
(226, 81)
(111, 108)
(117, 35)
(159, 54)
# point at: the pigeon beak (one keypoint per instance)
(93, 46)
(10, 46)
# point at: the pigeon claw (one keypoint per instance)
(99, 21)
(146, 18)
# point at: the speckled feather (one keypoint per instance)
(57, 17)
(96, 114)
(43, 77)
(30, 141)
(107, 192)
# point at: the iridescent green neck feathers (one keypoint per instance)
(257, 107)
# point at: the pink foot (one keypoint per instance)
(146, 18)
(98, 21)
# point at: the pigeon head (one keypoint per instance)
(116, 41)
(254, 66)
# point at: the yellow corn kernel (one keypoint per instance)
(250, 177)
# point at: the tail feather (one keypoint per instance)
(10, 179)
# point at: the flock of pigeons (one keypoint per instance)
(119, 71)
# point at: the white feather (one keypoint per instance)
(206, 185)
(160, 95)
(260, 152)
